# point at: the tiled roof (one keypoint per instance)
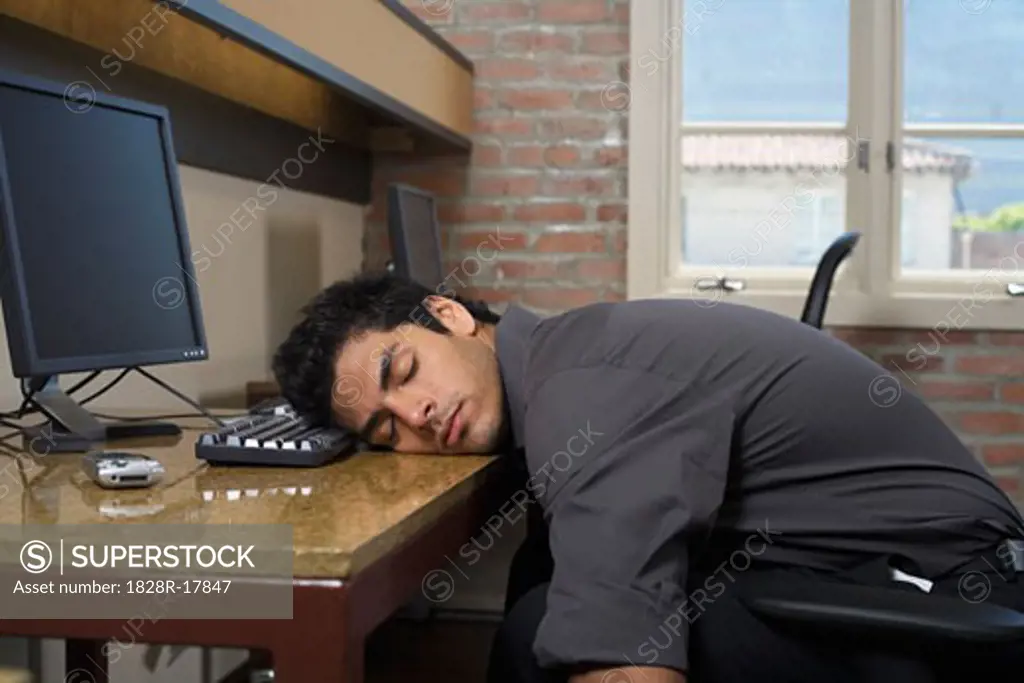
(740, 152)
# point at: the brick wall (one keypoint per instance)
(547, 178)
(537, 215)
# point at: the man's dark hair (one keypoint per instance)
(303, 364)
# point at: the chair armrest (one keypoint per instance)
(883, 611)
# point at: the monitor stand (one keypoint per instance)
(72, 428)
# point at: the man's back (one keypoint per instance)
(828, 453)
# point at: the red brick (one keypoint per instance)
(1009, 484)
(620, 242)
(535, 41)
(471, 41)
(544, 156)
(1012, 393)
(527, 270)
(560, 299)
(608, 270)
(915, 362)
(1006, 338)
(536, 99)
(486, 155)
(470, 213)
(612, 156)
(473, 13)
(504, 126)
(590, 186)
(620, 14)
(613, 98)
(605, 42)
(491, 240)
(570, 242)
(996, 455)
(561, 212)
(572, 11)
(585, 128)
(865, 337)
(934, 389)
(505, 186)
(581, 71)
(612, 213)
(930, 339)
(502, 69)
(483, 99)
(991, 365)
(490, 295)
(526, 155)
(991, 422)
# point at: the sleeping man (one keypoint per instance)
(676, 455)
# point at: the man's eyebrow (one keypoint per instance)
(385, 372)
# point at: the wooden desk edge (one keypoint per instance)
(362, 602)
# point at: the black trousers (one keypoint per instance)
(729, 644)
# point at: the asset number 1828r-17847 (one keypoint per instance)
(183, 586)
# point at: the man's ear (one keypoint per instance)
(452, 315)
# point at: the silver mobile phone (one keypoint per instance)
(119, 470)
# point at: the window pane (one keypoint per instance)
(762, 60)
(963, 61)
(963, 203)
(762, 200)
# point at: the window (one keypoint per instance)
(760, 130)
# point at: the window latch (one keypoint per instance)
(1015, 289)
(725, 284)
(864, 155)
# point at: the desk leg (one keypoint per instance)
(85, 661)
(320, 643)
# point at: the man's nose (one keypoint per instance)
(420, 412)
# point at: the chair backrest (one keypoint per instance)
(821, 285)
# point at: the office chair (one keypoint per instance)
(887, 615)
(821, 285)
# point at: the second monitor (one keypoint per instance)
(415, 236)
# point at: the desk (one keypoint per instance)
(367, 530)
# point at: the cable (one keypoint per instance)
(6, 417)
(169, 416)
(26, 397)
(159, 382)
(110, 385)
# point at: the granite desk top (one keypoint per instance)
(344, 516)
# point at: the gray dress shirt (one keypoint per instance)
(652, 427)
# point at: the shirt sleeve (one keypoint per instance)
(630, 468)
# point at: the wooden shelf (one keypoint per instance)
(366, 72)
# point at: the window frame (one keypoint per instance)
(870, 290)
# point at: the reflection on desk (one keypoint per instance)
(344, 516)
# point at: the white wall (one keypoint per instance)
(759, 219)
(251, 284)
(250, 288)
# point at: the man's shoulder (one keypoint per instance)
(600, 333)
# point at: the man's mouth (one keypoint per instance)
(452, 429)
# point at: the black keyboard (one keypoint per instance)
(273, 434)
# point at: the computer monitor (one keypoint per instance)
(415, 236)
(95, 251)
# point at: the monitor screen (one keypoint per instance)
(93, 212)
(422, 241)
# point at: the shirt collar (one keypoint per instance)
(512, 337)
